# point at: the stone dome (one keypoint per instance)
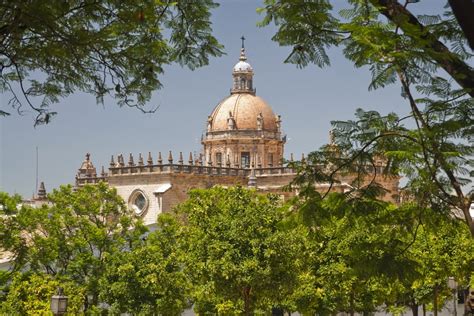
(242, 66)
(245, 109)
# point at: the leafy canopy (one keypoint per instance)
(149, 279)
(71, 236)
(238, 255)
(51, 49)
(428, 56)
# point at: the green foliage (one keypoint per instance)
(365, 254)
(359, 249)
(432, 146)
(232, 251)
(72, 236)
(149, 279)
(9, 204)
(442, 249)
(49, 50)
(30, 294)
(377, 33)
(239, 255)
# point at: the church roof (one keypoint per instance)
(244, 109)
(242, 66)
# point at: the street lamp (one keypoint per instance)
(453, 285)
(59, 303)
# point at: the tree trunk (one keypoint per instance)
(351, 306)
(463, 11)
(86, 303)
(246, 294)
(424, 310)
(414, 309)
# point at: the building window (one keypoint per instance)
(219, 158)
(270, 159)
(138, 202)
(242, 84)
(245, 159)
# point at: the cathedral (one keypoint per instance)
(243, 144)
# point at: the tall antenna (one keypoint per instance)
(36, 190)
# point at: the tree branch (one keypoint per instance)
(450, 62)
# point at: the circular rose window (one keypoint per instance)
(138, 202)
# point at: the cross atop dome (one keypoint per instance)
(242, 57)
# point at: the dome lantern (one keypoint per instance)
(242, 74)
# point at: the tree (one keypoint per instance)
(396, 46)
(149, 279)
(238, 256)
(359, 252)
(49, 50)
(443, 249)
(30, 294)
(71, 236)
(366, 254)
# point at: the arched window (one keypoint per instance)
(242, 83)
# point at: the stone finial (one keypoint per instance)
(180, 161)
(209, 125)
(130, 160)
(102, 173)
(41, 191)
(149, 161)
(278, 122)
(303, 160)
(170, 158)
(87, 169)
(190, 160)
(201, 162)
(140, 159)
(160, 160)
(291, 157)
(112, 162)
(121, 161)
(252, 179)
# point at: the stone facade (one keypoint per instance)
(243, 145)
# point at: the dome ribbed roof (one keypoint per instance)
(245, 109)
(243, 66)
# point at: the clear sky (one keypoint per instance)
(307, 100)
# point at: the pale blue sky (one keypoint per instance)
(306, 99)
